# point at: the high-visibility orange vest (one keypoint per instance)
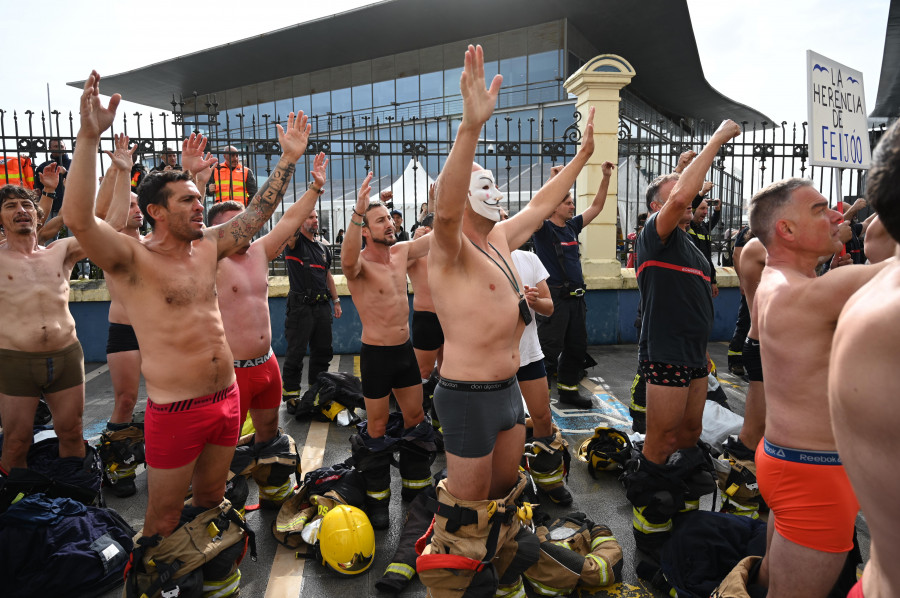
(230, 184)
(16, 170)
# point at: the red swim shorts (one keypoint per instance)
(810, 495)
(259, 381)
(175, 433)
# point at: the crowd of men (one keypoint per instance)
(189, 312)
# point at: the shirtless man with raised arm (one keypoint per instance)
(801, 478)
(475, 294)
(39, 351)
(427, 335)
(243, 289)
(479, 297)
(168, 288)
(376, 277)
(863, 379)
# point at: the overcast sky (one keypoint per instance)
(754, 53)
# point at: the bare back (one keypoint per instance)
(795, 335)
(752, 260)
(418, 278)
(35, 297)
(171, 303)
(862, 384)
(243, 289)
(478, 310)
(380, 295)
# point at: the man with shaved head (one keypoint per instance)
(232, 181)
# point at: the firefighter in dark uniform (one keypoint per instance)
(309, 312)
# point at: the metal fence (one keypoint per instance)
(762, 154)
(406, 155)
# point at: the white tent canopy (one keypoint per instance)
(410, 190)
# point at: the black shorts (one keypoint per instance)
(427, 334)
(753, 360)
(667, 374)
(473, 413)
(532, 371)
(121, 338)
(386, 368)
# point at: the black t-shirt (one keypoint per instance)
(702, 237)
(676, 299)
(545, 247)
(307, 266)
(855, 245)
(743, 237)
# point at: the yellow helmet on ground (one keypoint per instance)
(346, 540)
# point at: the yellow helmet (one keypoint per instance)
(346, 540)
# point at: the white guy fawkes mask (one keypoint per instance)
(485, 202)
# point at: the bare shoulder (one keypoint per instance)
(873, 312)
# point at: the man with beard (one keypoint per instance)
(376, 277)
(39, 351)
(168, 288)
(307, 318)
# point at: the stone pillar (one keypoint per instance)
(597, 84)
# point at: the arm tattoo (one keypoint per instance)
(263, 204)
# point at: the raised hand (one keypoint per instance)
(478, 101)
(684, 159)
(294, 139)
(94, 117)
(607, 168)
(362, 199)
(122, 157)
(587, 137)
(727, 131)
(50, 177)
(707, 187)
(192, 156)
(318, 172)
(555, 170)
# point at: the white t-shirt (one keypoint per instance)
(531, 271)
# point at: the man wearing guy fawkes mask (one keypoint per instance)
(478, 298)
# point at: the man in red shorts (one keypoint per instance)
(800, 474)
(243, 292)
(168, 289)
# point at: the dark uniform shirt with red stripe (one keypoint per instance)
(307, 266)
(676, 300)
(545, 247)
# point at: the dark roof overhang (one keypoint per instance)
(887, 103)
(655, 36)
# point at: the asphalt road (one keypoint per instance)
(279, 573)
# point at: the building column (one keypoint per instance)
(597, 84)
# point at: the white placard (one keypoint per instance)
(838, 125)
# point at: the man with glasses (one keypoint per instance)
(232, 180)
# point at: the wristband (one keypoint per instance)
(312, 187)
(336, 300)
(360, 224)
(357, 213)
(51, 195)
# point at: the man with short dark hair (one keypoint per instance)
(60, 156)
(563, 334)
(168, 289)
(168, 161)
(376, 277)
(397, 217)
(308, 314)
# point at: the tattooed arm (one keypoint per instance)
(230, 235)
